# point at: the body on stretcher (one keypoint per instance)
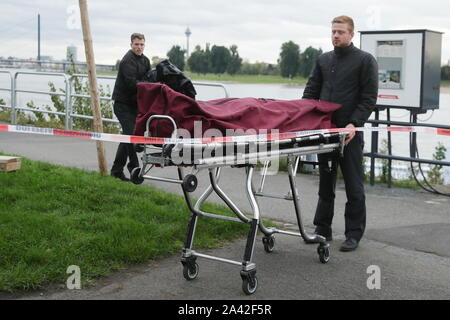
(237, 154)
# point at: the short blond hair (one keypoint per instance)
(345, 19)
(136, 35)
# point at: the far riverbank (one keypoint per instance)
(263, 79)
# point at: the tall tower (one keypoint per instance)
(188, 34)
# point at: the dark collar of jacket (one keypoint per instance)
(342, 51)
(135, 55)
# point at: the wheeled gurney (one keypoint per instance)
(246, 154)
(164, 113)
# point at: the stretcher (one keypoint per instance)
(235, 153)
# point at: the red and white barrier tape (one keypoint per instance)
(244, 138)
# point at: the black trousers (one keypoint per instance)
(127, 117)
(352, 169)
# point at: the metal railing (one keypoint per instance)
(14, 106)
(73, 96)
(69, 95)
(51, 65)
(10, 90)
(373, 154)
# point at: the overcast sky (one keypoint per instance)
(257, 27)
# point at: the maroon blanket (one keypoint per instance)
(228, 113)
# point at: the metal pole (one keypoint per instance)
(13, 99)
(39, 42)
(374, 147)
(92, 73)
(389, 182)
(39, 38)
(67, 103)
(413, 146)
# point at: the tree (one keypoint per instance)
(220, 58)
(261, 68)
(155, 60)
(199, 61)
(235, 62)
(445, 72)
(176, 56)
(251, 68)
(307, 61)
(289, 59)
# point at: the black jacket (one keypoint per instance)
(132, 69)
(348, 76)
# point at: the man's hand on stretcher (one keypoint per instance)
(351, 135)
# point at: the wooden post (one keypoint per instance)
(92, 73)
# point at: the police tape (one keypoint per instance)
(119, 138)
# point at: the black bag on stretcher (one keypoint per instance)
(167, 73)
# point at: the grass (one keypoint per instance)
(52, 217)
(396, 183)
(239, 78)
(445, 83)
(243, 78)
(257, 79)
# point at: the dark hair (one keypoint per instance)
(139, 36)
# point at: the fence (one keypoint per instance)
(49, 65)
(412, 146)
(69, 95)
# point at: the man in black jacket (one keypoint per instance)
(132, 68)
(348, 76)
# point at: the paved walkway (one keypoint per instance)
(407, 238)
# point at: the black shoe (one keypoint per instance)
(328, 238)
(349, 244)
(120, 176)
(138, 147)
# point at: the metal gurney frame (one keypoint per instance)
(291, 149)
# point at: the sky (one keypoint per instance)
(257, 27)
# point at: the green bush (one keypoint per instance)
(434, 175)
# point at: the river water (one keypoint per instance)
(400, 141)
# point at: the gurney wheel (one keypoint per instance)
(249, 281)
(134, 176)
(324, 253)
(190, 271)
(269, 243)
(190, 183)
(249, 286)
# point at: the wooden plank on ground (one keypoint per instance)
(9, 163)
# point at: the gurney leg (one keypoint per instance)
(207, 192)
(248, 273)
(191, 231)
(213, 179)
(188, 259)
(324, 248)
(189, 256)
